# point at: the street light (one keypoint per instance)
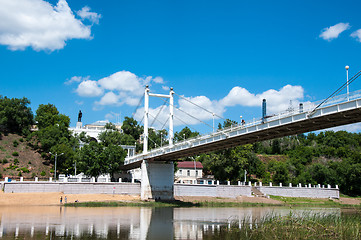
(347, 67)
(245, 176)
(56, 155)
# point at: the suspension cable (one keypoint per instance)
(185, 123)
(189, 115)
(159, 120)
(140, 102)
(338, 90)
(156, 116)
(202, 107)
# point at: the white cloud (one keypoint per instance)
(165, 88)
(89, 88)
(85, 13)
(120, 88)
(79, 102)
(276, 100)
(38, 24)
(109, 98)
(76, 79)
(333, 31)
(357, 35)
(158, 80)
(123, 81)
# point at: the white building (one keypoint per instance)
(93, 130)
(188, 172)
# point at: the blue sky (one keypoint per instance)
(97, 56)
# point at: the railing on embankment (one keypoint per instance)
(180, 190)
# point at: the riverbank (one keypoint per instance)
(51, 199)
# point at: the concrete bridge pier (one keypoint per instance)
(157, 180)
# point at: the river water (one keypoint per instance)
(129, 222)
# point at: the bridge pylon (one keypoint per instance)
(157, 180)
(157, 177)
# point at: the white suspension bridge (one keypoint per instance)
(157, 167)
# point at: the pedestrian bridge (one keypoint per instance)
(340, 111)
(157, 169)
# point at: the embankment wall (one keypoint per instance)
(229, 191)
(73, 188)
(300, 192)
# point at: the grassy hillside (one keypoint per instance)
(17, 159)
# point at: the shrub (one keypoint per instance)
(15, 154)
(15, 143)
(16, 161)
(1, 176)
(21, 139)
(19, 174)
(43, 155)
(29, 162)
(43, 173)
(24, 169)
(33, 175)
(5, 161)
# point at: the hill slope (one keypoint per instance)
(18, 159)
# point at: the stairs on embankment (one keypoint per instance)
(257, 193)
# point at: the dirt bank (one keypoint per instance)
(48, 199)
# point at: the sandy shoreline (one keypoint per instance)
(53, 199)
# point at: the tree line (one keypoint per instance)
(324, 158)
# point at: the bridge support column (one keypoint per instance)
(157, 181)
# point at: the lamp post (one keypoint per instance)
(56, 155)
(347, 67)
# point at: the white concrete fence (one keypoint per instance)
(82, 185)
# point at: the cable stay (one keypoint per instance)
(188, 115)
(227, 120)
(160, 110)
(337, 91)
(139, 103)
(186, 124)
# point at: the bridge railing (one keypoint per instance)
(307, 107)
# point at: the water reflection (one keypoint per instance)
(127, 222)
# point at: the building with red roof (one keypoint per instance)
(188, 171)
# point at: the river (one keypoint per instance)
(129, 222)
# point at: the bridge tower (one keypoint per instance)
(157, 179)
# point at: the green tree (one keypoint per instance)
(185, 133)
(131, 127)
(15, 115)
(47, 115)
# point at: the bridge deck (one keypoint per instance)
(274, 127)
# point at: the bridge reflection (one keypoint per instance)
(129, 222)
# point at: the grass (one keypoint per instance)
(311, 202)
(306, 226)
(287, 201)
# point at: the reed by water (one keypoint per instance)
(306, 226)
